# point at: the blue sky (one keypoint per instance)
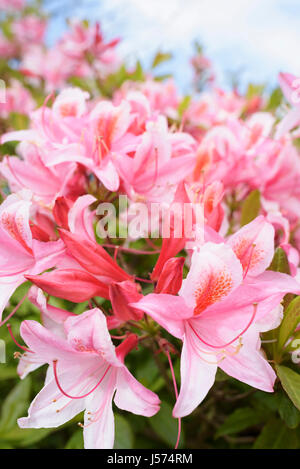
(252, 39)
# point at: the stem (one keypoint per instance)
(14, 310)
(130, 250)
(16, 342)
(176, 394)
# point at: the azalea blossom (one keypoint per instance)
(225, 302)
(85, 371)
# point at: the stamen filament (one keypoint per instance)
(14, 310)
(15, 340)
(176, 394)
(233, 340)
(250, 259)
(77, 397)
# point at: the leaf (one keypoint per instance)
(14, 405)
(290, 382)
(124, 438)
(290, 321)
(5, 445)
(239, 420)
(221, 375)
(24, 437)
(82, 83)
(76, 441)
(18, 121)
(275, 435)
(251, 207)
(280, 262)
(288, 412)
(7, 372)
(184, 104)
(166, 426)
(274, 100)
(254, 90)
(160, 58)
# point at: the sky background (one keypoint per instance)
(250, 39)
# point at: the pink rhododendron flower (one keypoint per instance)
(17, 99)
(224, 303)
(20, 253)
(86, 372)
(12, 4)
(29, 29)
(290, 85)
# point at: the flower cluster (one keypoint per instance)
(210, 298)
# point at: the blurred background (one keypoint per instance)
(247, 40)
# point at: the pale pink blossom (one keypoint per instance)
(86, 372)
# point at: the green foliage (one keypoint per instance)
(290, 321)
(275, 435)
(165, 426)
(160, 58)
(239, 420)
(124, 437)
(280, 262)
(250, 207)
(290, 381)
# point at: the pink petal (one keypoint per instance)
(249, 365)
(133, 396)
(215, 272)
(254, 246)
(168, 310)
(197, 376)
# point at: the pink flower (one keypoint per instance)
(7, 48)
(12, 4)
(20, 254)
(29, 30)
(224, 303)
(170, 278)
(86, 372)
(33, 172)
(290, 86)
(17, 99)
(121, 294)
(161, 161)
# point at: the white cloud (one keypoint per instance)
(261, 36)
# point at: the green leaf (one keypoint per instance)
(5, 445)
(221, 375)
(7, 372)
(290, 381)
(183, 105)
(254, 90)
(251, 207)
(166, 426)
(76, 441)
(280, 262)
(290, 321)
(274, 100)
(239, 420)
(161, 57)
(288, 412)
(124, 437)
(275, 435)
(18, 121)
(14, 405)
(82, 83)
(24, 437)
